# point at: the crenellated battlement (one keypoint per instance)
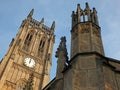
(38, 24)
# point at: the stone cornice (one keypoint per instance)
(105, 60)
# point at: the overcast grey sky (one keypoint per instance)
(12, 12)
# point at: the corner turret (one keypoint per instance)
(84, 15)
(85, 31)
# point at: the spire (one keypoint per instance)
(94, 10)
(53, 25)
(78, 8)
(78, 12)
(74, 18)
(61, 54)
(41, 23)
(95, 17)
(42, 20)
(87, 6)
(31, 13)
(73, 13)
(88, 11)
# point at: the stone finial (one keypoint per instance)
(31, 13)
(73, 13)
(29, 84)
(78, 8)
(84, 15)
(94, 10)
(41, 23)
(87, 12)
(95, 16)
(87, 6)
(78, 12)
(53, 25)
(42, 20)
(74, 18)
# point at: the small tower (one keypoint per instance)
(85, 32)
(85, 70)
(30, 51)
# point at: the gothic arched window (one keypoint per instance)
(28, 40)
(41, 47)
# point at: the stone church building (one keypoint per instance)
(26, 65)
(29, 54)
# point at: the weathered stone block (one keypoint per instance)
(88, 62)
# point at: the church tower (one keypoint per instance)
(88, 68)
(29, 53)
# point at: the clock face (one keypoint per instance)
(29, 62)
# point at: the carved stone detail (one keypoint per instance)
(96, 32)
(74, 33)
(8, 83)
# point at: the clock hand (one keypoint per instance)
(30, 61)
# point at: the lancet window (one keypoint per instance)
(28, 40)
(41, 47)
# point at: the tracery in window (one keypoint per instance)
(41, 47)
(28, 40)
